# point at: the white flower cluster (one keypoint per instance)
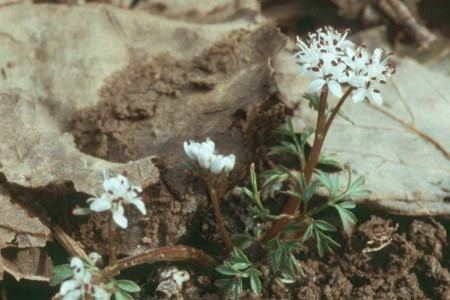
(332, 60)
(204, 154)
(118, 192)
(80, 285)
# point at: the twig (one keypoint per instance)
(70, 245)
(401, 15)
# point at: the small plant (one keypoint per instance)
(117, 193)
(336, 66)
(85, 278)
(213, 169)
(239, 269)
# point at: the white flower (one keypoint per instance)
(118, 192)
(373, 94)
(331, 60)
(220, 163)
(366, 73)
(80, 285)
(75, 288)
(205, 156)
(328, 72)
(201, 152)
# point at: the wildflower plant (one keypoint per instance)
(83, 279)
(117, 193)
(213, 168)
(86, 278)
(238, 268)
(337, 68)
(340, 69)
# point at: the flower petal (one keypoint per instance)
(375, 97)
(217, 164)
(335, 88)
(100, 204)
(139, 205)
(189, 149)
(230, 161)
(359, 95)
(101, 294)
(119, 218)
(67, 286)
(74, 295)
(316, 85)
(204, 159)
(208, 146)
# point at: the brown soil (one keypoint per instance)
(150, 109)
(413, 264)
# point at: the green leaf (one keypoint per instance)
(324, 243)
(243, 240)
(127, 286)
(272, 178)
(283, 131)
(237, 288)
(255, 283)
(239, 266)
(293, 194)
(348, 218)
(324, 225)
(308, 232)
(248, 193)
(60, 273)
(290, 126)
(226, 269)
(225, 285)
(189, 166)
(292, 227)
(347, 204)
(253, 178)
(314, 100)
(356, 188)
(285, 148)
(329, 160)
(238, 253)
(120, 295)
(331, 183)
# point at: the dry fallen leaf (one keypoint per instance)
(19, 230)
(149, 85)
(402, 147)
(207, 12)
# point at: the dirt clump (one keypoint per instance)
(401, 269)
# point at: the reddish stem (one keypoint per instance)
(322, 127)
(169, 253)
